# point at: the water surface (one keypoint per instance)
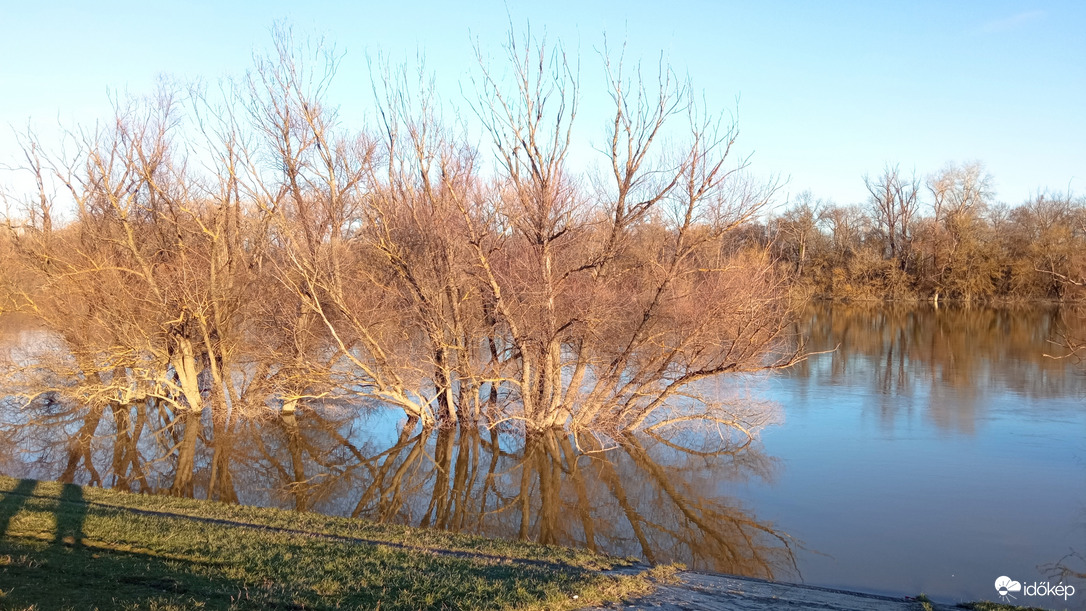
(933, 451)
(921, 450)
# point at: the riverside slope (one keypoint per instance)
(694, 591)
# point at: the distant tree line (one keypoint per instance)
(939, 238)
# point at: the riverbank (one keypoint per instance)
(694, 591)
(65, 546)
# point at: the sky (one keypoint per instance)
(824, 92)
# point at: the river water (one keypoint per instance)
(933, 451)
(920, 450)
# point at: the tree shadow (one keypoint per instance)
(13, 500)
(42, 575)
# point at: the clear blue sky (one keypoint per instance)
(827, 91)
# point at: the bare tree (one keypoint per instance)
(232, 257)
(609, 329)
(156, 287)
(958, 263)
(455, 297)
(798, 230)
(894, 204)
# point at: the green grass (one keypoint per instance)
(63, 546)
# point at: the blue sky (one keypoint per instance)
(826, 91)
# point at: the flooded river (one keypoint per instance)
(920, 450)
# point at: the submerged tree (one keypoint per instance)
(457, 293)
(614, 302)
(228, 259)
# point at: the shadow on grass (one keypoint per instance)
(13, 501)
(71, 512)
(59, 551)
(40, 575)
(68, 572)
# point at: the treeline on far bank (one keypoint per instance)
(941, 237)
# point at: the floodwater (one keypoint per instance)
(933, 451)
(921, 450)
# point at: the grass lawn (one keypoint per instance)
(65, 546)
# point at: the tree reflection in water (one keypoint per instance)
(951, 362)
(638, 495)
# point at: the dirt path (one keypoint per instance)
(706, 592)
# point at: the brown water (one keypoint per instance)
(933, 451)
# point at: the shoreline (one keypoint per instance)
(703, 591)
(68, 546)
(690, 590)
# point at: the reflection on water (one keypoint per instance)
(933, 450)
(948, 361)
(635, 496)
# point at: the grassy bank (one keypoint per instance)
(990, 606)
(65, 546)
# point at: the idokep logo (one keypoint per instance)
(1005, 586)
